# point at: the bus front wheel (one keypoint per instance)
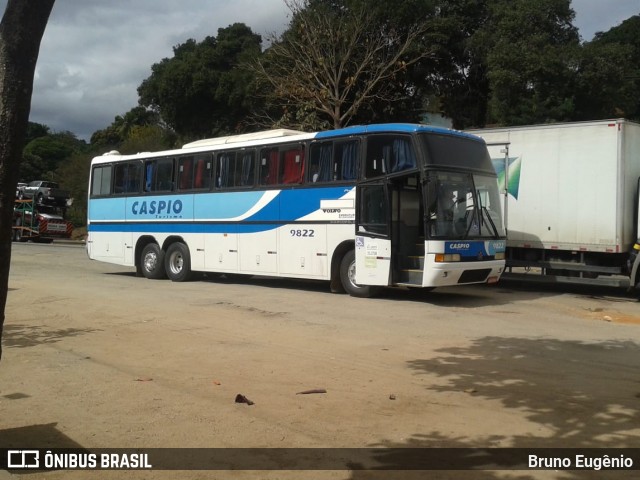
(152, 262)
(348, 277)
(178, 262)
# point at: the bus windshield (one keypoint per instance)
(463, 206)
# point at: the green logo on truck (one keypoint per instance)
(513, 171)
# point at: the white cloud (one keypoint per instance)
(95, 54)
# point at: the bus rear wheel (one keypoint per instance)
(178, 262)
(348, 278)
(152, 262)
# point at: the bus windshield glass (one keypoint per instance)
(463, 206)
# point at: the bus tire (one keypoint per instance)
(348, 279)
(177, 262)
(152, 262)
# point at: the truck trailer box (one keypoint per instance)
(570, 195)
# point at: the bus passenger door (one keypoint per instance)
(373, 241)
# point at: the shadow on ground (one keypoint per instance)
(577, 394)
(35, 436)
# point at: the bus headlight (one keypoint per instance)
(499, 256)
(447, 257)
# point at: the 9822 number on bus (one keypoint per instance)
(302, 233)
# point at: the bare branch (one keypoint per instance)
(338, 60)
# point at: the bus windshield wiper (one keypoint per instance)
(493, 225)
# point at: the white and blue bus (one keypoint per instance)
(362, 207)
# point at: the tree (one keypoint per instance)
(531, 60)
(459, 73)
(75, 172)
(201, 91)
(35, 130)
(609, 74)
(116, 133)
(147, 138)
(337, 59)
(43, 155)
(21, 31)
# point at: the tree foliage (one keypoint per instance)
(115, 134)
(506, 62)
(43, 155)
(609, 74)
(531, 60)
(201, 91)
(337, 59)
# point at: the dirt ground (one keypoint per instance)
(94, 357)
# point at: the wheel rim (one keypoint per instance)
(351, 274)
(176, 262)
(150, 261)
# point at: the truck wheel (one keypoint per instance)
(178, 262)
(152, 262)
(17, 232)
(348, 277)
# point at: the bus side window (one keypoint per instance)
(292, 164)
(389, 154)
(203, 169)
(320, 162)
(402, 156)
(101, 181)
(185, 173)
(127, 178)
(226, 170)
(165, 174)
(269, 166)
(346, 159)
(247, 171)
(158, 175)
(373, 208)
(374, 164)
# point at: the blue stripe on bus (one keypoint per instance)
(183, 228)
(287, 205)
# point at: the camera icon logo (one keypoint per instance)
(23, 459)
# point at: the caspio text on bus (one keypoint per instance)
(157, 207)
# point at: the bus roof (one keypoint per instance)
(270, 137)
(394, 128)
(245, 137)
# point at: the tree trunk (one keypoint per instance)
(21, 31)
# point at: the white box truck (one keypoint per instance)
(570, 194)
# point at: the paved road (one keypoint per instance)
(96, 357)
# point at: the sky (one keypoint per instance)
(95, 53)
